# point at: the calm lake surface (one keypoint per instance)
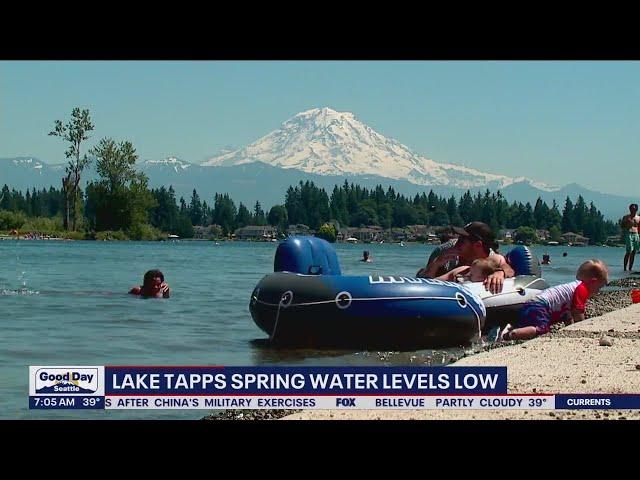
(65, 303)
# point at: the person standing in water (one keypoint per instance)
(153, 286)
(629, 226)
(365, 257)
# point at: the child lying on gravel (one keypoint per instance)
(562, 303)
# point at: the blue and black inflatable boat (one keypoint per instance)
(308, 302)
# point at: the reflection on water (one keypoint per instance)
(66, 303)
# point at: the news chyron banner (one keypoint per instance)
(213, 387)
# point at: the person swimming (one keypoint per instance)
(546, 259)
(153, 286)
(366, 257)
(565, 254)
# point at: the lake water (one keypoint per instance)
(65, 303)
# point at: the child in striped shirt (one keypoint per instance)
(562, 303)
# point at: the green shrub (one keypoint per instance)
(110, 235)
(74, 235)
(327, 232)
(43, 225)
(144, 231)
(11, 220)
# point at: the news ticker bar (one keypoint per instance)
(266, 387)
(364, 402)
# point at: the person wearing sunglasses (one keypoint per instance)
(476, 240)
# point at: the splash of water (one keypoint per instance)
(21, 291)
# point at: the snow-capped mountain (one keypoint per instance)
(29, 163)
(326, 142)
(169, 163)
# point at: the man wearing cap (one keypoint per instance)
(476, 240)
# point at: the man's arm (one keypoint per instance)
(502, 263)
(135, 291)
(166, 291)
(451, 276)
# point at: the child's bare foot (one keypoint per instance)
(505, 333)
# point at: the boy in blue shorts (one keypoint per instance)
(562, 303)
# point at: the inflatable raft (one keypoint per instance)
(503, 307)
(308, 302)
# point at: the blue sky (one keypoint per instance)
(556, 122)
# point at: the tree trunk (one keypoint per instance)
(76, 182)
(65, 214)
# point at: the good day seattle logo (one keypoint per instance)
(66, 381)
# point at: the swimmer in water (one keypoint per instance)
(565, 254)
(546, 259)
(365, 257)
(153, 286)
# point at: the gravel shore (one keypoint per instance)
(603, 303)
(575, 359)
(250, 414)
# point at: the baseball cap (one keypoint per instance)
(477, 231)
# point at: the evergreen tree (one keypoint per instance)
(554, 217)
(568, 222)
(243, 218)
(580, 214)
(540, 214)
(278, 217)
(196, 213)
(258, 215)
(224, 213)
(27, 204)
(5, 198)
(465, 208)
(452, 211)
(365, 214)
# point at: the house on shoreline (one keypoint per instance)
(256, 233)
(207, 233)
(576, 239)
(298, 229)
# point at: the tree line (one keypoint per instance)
(121, 201)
